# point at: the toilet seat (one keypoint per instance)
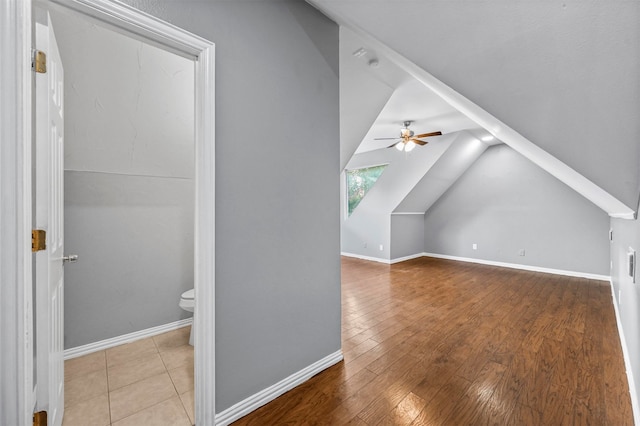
(187, 300)
(187, 303)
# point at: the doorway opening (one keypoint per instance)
(142, 27)
(128, 209)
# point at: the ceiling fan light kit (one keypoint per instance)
(405, 146)
(407, 140)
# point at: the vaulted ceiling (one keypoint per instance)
(556, 81)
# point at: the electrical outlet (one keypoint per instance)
(521, 252)
(381, 247)
(474, 246)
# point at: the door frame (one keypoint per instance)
(16, 121)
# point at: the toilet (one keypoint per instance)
(187, 303)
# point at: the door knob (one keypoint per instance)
(71, 258)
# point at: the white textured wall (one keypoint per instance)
(129, 105)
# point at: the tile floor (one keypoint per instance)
(146, 382)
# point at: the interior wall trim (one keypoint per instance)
(522, 267)
(635, 403)
(125, 338)
(405, 258)
(16, 351)
(369, 258)
(586, 275)
(267, 395)
(381, 260)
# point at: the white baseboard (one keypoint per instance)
(125, 338)
(34, 398)
(372, 259)
(405, 258)
(267, 395)
(483, 262)
(522, 267)
(635, 403)
(380, 260)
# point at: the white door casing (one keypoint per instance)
(16, 162)
(147, 28)
(49, 207)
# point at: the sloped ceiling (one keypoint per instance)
(364, 118)
(557, 81)
(465, 150)
(376, 100)
(363, 94)
(400, 177)
(415, 102)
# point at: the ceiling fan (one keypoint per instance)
(409, 140)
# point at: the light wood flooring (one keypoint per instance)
(437, 342)
(146, 382)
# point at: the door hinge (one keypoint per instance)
(40, 418)
(38, 240)
(39, 63)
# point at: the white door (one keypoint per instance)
(49, 216)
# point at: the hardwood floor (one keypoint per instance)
(437, 342)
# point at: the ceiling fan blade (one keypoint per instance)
(426, 135)
(391, 146)
(384, 139)
(419, 142)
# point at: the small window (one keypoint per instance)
(359, 182)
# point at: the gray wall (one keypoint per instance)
(134, 236)
(277, 186)
(407, 235)
(505, 203)
(626, 235)
(369, 225)
(411, 183)
(129, 188)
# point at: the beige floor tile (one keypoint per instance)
(177, 357)
(84, 364)
(182, 377)
(87, 386)
(172, 339)
(94, 412)
(140, 395)
(167, 413)
(133, 371)
(130, 351)
(188, 403)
